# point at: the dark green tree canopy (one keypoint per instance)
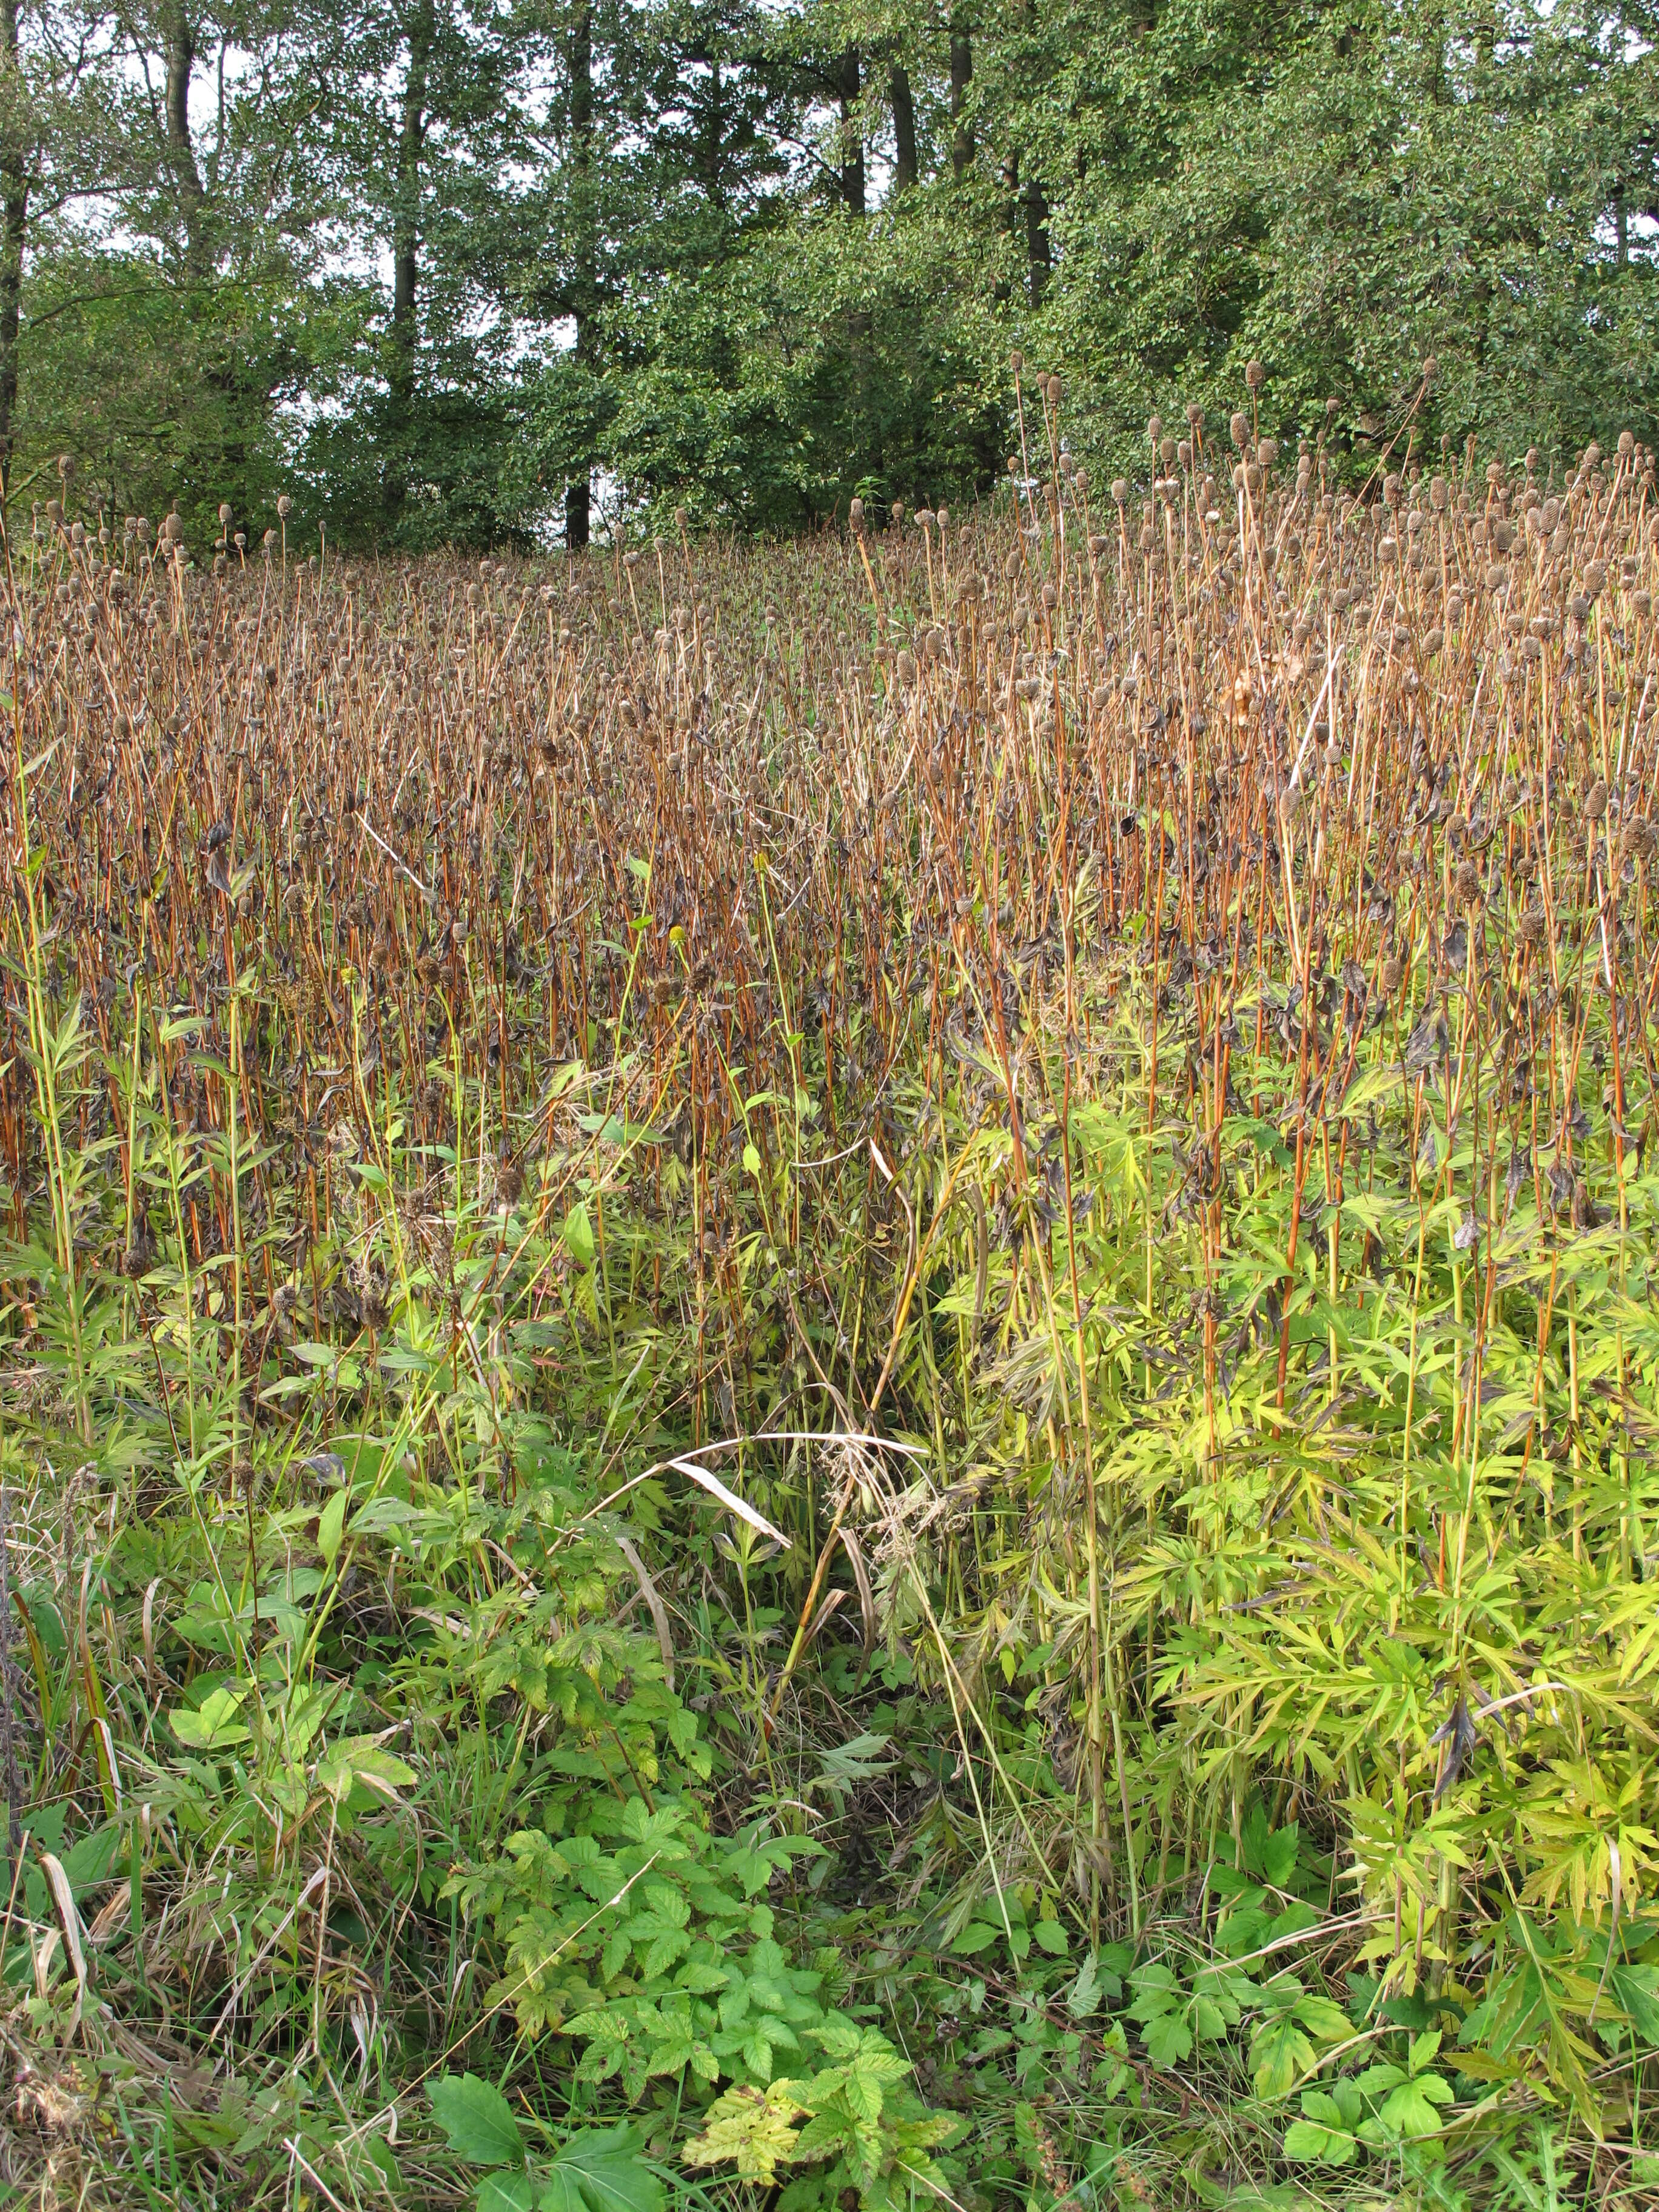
(498, 271)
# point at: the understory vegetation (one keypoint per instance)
(829, 1373)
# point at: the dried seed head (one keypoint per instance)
(1255, 375)
(1056, 392)
(1394, 975)
(1439, 494)
(1154, 427)
(285, 507)
(224, 513)
(1533, 925)
(1469, 882)
(1194, 416)
(1626, 445)
(1596, 801)
(1120, 490)
(1240, 426)
(855, 513)
(1267, 452)
(1016, 360)
(905, 667)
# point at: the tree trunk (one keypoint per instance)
(852, 138)
(1038, 257)
(962, 132)
(906, 171)
(405, 259)
(14, 215)
(179, 42)
(584, 289)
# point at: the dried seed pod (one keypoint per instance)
(1596, 801)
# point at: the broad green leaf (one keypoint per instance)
(330, 1527)
(1168, 2040)
(477, 2120)
(1308, 2143)
(601, 2170)
(213, 1725)
(1410, 2108)
(507, 2192)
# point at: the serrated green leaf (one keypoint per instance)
(1310, 2144)
(477, 2120)
(601, 2170)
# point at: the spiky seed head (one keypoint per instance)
(224, 513)
(1016, 360)
(1240, 426)
(1331, 407)
(1255, 375)
(855, 513)
(285, 507)
(1120, 491)
(1155, 428)
(1194, 416)
(1596, 801)
(1439, 494)
(1626, 445)
(1056, 392)
(1267, 452)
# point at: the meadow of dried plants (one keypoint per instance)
(829, 1370)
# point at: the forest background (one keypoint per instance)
(453, 271)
